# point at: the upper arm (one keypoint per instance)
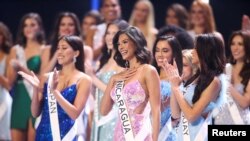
(45, 57)
(208, 95)
(83, 90)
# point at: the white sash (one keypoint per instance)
(165, 131)
(233, 109)
(203, 132)
(123, 112)
(185, 129)
(53, 113)
(21, 57)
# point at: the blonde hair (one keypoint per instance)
(150, 31)
(187, 54)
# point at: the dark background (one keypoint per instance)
(228, 13)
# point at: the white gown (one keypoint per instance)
(5, 106)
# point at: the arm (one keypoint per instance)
(11, 72)
(242, 100)
(3, 79)
(83, 90)
(175, 109)
(37, 93)
(88, 54)
(47, 63)
(153, 85)
(208, 95)
(107, 102)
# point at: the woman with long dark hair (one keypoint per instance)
(193, 105)
(5, 98)
(236, 111)
(60, 96)
(25, 56)
(166, 48)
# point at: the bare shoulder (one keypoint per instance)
(215, 84)
(87, 49)
(147, 68)
(84, 78)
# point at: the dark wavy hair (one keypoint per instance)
(142, 53)
(211, 54)
(185, 40)
(7, 38)
(40, 35)
(76, 44)
(245, 71)
(176, 50)
(106, 54)
(55, 35)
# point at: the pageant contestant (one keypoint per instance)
(136, 90)
(61, 95)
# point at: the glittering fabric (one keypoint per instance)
(134, 95)
(166, 113)
(165, 93)
(106, 131)
(43, 132)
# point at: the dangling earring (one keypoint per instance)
(74, 59)
(126, 64)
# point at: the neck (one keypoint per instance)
(239, 64)
(199, 29)
(31, 43)
(68, 69)
(163, 75)
(133, 63)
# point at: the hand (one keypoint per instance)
(172, 73)
(124, 75)
(55, 80)
(245, 24)
(32, 79)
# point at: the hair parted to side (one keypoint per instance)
(76, 44)
(142, 53)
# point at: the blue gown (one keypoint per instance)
(166, 114)
(195, 126)
(43, 132)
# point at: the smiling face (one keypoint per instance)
(111, 10)
(65, 53)
(111, 31)
(237, 48)
(126, 47)
(67, 26)
(197, 15)
(163, 51)
(30, 28)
